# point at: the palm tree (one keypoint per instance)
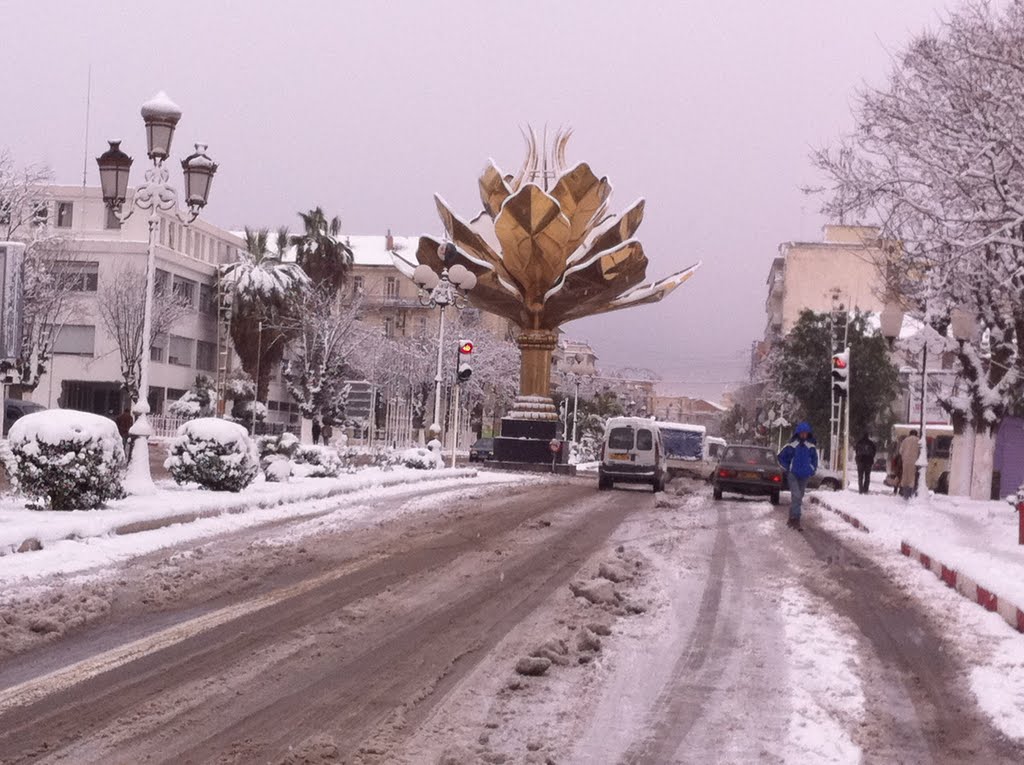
(320, 250)
(263, 288)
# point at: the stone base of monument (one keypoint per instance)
(527, 433)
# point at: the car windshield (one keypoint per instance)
(682, 444)
(621, 438)
(750, 455)
(483, 443)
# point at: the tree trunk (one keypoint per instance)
(961, 463)
(984, 463)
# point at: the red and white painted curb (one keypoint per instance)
(970, 589)
(1012, 613)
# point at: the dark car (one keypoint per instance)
(15, 409)
(481, 450)
(749, 470)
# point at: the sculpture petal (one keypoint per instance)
(582, 196)
(470, 242)
(596, 282)
(649, 293)
(493, 189)
(533, 233)
(614, 232)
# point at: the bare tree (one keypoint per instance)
(122, 307)
(51, 287)
(937, 159)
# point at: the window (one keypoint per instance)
(644, 440)
(158, 349)
(76, 340)
(621, 438)
(358, 285)
(207, 300)
(389, 326)
(80, 276)
(65, 212)
(160, 281)
(185, 291)
(391, 287)
(113, 223)
(206, 356)
(179, 351)
(173, 394)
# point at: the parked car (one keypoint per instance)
(15, 409)
(482, 450)
(632, 452)
(826, 479)
(748, 470)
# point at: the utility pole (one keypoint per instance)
(839, 325)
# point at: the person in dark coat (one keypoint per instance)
(326, 432)
(864, 452)
(799, 458)
(316, 430)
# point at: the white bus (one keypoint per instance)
(684, 448)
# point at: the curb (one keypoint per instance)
(136, 527)
(1011, 613)
(855, 522)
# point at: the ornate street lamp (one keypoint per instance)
(448, 288)
(160, 116)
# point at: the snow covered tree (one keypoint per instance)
(321, 252)
(199, 401)
(263, 289)
(51, 295)
(122, 309)
(937, 159)
(802, 367)
(324, 342)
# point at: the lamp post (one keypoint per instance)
(891, 323)
(160, 116)
(448, 288)
(577, 378)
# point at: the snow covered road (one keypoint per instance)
(669, 629)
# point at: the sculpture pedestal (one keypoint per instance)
(527, 432)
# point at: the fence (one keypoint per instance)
(167, 427)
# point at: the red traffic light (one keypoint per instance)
(466, 347)
(838, 362)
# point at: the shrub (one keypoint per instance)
(284, 445)
(199, 401)
(422, 458)
(216, 454)
(63, 459)
(277, 469)
(318, 461)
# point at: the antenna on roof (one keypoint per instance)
(88, 100)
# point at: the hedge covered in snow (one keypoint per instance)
(63, 459)
(317, 461)
(214, 453)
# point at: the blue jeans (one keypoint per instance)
(797, 487)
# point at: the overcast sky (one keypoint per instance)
(706, 108)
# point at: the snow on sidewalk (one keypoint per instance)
(180, 504)
(970, 544)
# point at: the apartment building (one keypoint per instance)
(84, 372)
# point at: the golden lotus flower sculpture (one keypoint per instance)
(546, 256)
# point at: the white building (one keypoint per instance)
(84, 372)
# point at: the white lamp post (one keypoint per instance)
(439, 291)
(156, 195)
(891, 325)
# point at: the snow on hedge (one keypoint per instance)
(216, 454)
(63, 459)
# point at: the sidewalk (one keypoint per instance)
(970, 545)
(24, 530)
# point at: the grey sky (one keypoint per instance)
(707, 109)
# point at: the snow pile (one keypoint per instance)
(422, 458)
(216, 454)
(317, 462)
(63, 459)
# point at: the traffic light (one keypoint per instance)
(841, 373)
(464, 370)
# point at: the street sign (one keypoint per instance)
(12, 299)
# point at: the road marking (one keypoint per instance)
(38, 688)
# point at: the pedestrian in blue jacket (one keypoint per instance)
(799, 458)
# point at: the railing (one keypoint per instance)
(167, 427)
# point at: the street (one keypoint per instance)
(728, 639)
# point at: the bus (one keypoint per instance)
(684, 448)
(939, 440)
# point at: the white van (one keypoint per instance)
(632, 452)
